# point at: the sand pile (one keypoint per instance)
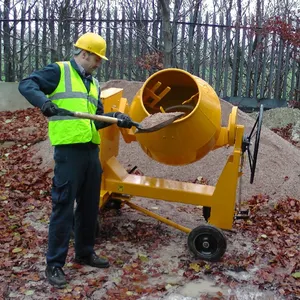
(278, 165)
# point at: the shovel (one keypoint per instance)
(149, 124)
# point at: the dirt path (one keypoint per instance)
(150, 260)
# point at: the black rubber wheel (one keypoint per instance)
(113, 204)
(256, 130)
(206, 212)
(207, 242)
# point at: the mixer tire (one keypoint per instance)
(206, 212)
(113, 204)
(207, 242)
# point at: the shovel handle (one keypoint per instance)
(82, 115)
(107, 119)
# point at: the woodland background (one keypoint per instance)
(242, 48)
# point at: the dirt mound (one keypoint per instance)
(278, 166)
(280, 117)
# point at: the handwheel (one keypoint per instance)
(207, 242)
(256, 129)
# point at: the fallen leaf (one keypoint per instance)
(296, 275)
(34, 277)
(143, 257)
(119, 262)
(195, 267)
(17, 250)
(29, 292)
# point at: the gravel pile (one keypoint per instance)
(278, 165)
(280, 117)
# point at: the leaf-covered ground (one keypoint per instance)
(286, 133)
(148, 260)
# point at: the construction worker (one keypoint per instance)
(77, 172)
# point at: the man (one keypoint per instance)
(77, 172)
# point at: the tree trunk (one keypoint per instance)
(167, 33)
(8, 72)
(239, 52)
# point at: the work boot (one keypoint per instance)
(56, 276)
(92, 260)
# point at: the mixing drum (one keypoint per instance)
(189, 138)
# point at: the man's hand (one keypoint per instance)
(124, 120)
(49, 109)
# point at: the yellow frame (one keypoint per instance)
(118, 183)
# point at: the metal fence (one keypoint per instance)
(237, 60)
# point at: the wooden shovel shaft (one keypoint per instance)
(139, 126)
(107, 119)
(96, 117)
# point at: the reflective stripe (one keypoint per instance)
(92, 100)
(73, 95)
(69, 94)
(68, 83)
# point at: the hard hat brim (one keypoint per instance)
(82, 48)
(104, 57)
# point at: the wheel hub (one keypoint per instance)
(205, 245)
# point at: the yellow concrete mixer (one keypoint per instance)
(185, 141)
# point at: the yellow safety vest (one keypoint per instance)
(72, 94)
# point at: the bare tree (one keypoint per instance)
(181, 9)
(167, 32)
(8, 71)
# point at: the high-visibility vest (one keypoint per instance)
(71, 94)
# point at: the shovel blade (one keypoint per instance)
(158, 121)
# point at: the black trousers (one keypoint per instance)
(77, 175)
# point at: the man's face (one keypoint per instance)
(91, 62)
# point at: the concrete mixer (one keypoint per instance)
(185, 141)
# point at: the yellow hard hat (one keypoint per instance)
(93, 43)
